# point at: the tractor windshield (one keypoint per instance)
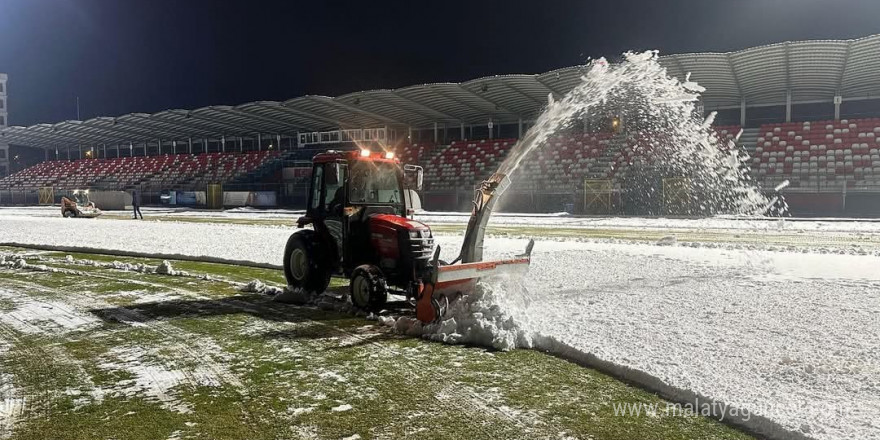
(375, 183)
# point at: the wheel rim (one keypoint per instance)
(360, 291)
(299, 264)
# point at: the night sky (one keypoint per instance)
(123, 56)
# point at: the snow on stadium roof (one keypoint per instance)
(810, 70)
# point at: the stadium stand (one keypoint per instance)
(180, 171)
(819, 154)
(463, 164)
(561, 166)
(414, 153)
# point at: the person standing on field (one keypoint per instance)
(136, 204)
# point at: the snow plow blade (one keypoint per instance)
(447, 283)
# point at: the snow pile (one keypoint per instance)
(257, 286)
(130, 267)
(668, 240)
(165, 268)
(482, 318)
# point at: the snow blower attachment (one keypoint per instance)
(358, 207)
(444, 283)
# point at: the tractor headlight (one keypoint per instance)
(413, 234)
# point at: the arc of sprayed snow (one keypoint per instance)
(135, 254)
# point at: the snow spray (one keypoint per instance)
(661, 124)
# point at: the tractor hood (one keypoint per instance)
(397, 239)
(397, 222)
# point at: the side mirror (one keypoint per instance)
(413, 201)
(415, 175)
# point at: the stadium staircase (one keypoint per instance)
(748, 139)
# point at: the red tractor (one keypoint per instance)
(360, 208)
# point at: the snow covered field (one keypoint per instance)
(557, 220)
(787, 335)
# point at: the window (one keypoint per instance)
(2, 87)
(317, 179)
(2, 120)
(374, 183)
(2, 104)
(334, 196)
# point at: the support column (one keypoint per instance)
(519, 128)
(742, 113)
(189, 145)
(409, 134)
(130, 149)
(278, 141)
(259, 142)
(158, 147)
(436, 133)
(491, 126)
(205, 145)
(68, 152)
(462, 131)
(837, 101)
(788, 105)
(223, 143)
(240, 144)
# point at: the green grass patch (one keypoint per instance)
(243, 366)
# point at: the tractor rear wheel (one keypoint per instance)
(303, 266)
(368, 288)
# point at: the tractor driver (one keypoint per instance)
(336, 205)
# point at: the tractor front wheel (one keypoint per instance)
(303, 266)
(368, 288)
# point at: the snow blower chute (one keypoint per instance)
(358, 207)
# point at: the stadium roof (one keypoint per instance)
(809, 70)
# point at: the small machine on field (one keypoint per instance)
(80, 207)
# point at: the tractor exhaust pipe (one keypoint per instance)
(484, 202)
